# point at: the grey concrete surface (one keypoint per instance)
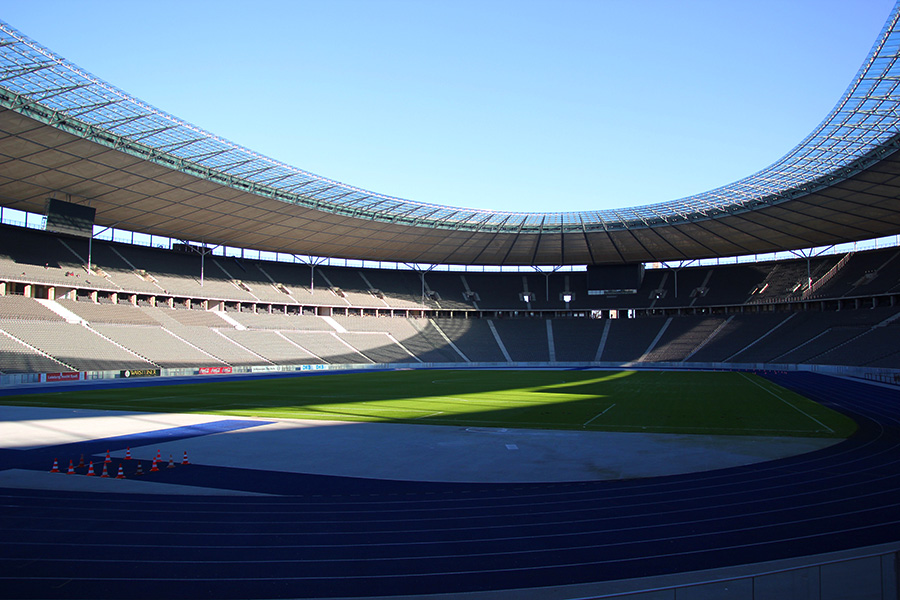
(405, 451)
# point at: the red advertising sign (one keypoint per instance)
(70, 376)
(215, 370)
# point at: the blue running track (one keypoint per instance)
(327, 537)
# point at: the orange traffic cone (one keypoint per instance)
(128, 453)
(81, 462)
(171, 463)
(90, 472)
(153, 467)
(121, 474)
(55, 468)
(104, 473)
(159, 456)
(71, 470)
(140, 469)
(107, 460)
(185, 460)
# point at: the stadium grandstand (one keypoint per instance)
(134, 242)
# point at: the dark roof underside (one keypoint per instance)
(39, 161)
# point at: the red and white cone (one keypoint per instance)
(71, 470)
(153, 467)
(128, 454)
(90, 472)
(104, 473)
(81, 462)
(140, 469)
(55, 468)
(184, 461)
(171, 464)
(121, 474)
(159, 456)
(107, 460)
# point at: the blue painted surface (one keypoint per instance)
(329, 537)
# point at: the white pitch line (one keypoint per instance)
(597, 416)
(807, 415)
(395, 409)
(431, 415)
(153, 398)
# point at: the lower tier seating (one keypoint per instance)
(36, 337)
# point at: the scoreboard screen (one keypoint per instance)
(69, 218)
(613, 280)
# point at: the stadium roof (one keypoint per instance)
(67, 134)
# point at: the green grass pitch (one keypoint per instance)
(650, 401)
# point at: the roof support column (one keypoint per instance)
(809, 254)
(421, 271)
(313, 262)
(681, 264)
(546, 275)
(90, 267)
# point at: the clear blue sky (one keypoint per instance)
(518, 105)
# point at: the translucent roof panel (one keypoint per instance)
(866, 117)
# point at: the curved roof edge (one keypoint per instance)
(38, 83)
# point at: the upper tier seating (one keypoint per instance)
(681, 338)
(402, 289)
(449, 290)
(865, 273)
(33, 256)
(294, 281)
(354, 291)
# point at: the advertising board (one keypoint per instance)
(69, 376)
(128, 373)
(215, 370)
